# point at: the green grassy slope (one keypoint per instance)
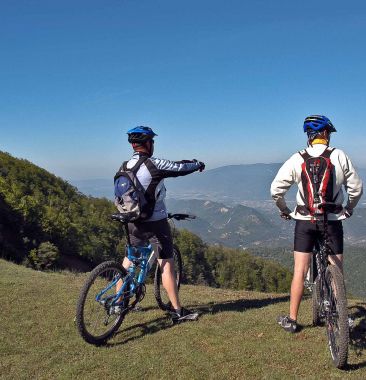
(236, 336)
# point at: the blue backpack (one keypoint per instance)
(130, 195)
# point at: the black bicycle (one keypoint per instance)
(111, 291)
(329, 294)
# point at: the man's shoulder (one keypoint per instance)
(296, 157)
(336, 152)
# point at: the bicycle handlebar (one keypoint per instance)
(181, 216)
(125, 218)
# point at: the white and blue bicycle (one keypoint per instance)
(111, 291)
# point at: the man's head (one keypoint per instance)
(318, 127)
(142, 139)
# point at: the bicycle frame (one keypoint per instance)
(322, 251)
(321, 263)
(142, 257)
(111, 291)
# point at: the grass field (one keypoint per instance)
(236, 336)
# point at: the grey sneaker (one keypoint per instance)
(287, 323)
(183, 316)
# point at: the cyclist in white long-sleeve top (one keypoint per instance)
(320, 173)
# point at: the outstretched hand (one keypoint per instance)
(202, 166)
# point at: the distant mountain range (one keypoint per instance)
(234, 206)
(237, 226)
(242, 226)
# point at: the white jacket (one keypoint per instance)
(345, 174)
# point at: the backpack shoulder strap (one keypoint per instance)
(304, 154)
(327, 152)
(133, 170)
(137, 165)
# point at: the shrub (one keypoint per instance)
(44, 257)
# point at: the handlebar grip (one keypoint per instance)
(181, 216)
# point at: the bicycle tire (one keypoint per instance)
(316, 303)
(337, 319)
(101, 274)
(161, 296)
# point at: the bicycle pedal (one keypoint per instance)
(137, 309)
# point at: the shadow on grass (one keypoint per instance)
(358, 333)
(141, 329)
(239, 305)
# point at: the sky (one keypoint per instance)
(226, 82)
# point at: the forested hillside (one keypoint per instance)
(45, 222)
(38, 207)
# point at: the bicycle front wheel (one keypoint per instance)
(160, 293)
(98, 316)
(316, 302)
(337, 316)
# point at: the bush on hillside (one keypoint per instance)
(44, 257)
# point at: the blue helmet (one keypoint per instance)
(140, 134)
(317, 123)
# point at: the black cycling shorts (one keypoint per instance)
(157, 233)
(307, 233)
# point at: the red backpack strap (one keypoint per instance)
(304, 154)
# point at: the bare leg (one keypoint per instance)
(126, 264)
(169, 283)
(301, 267)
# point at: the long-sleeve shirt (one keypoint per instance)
(344, 175)
(151, 175)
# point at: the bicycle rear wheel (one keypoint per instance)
(337, 316)
(160, 293)
(97, 317)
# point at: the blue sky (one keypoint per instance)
(225, 82)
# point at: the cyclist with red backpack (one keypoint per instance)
(140, 192)
(320, 172)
